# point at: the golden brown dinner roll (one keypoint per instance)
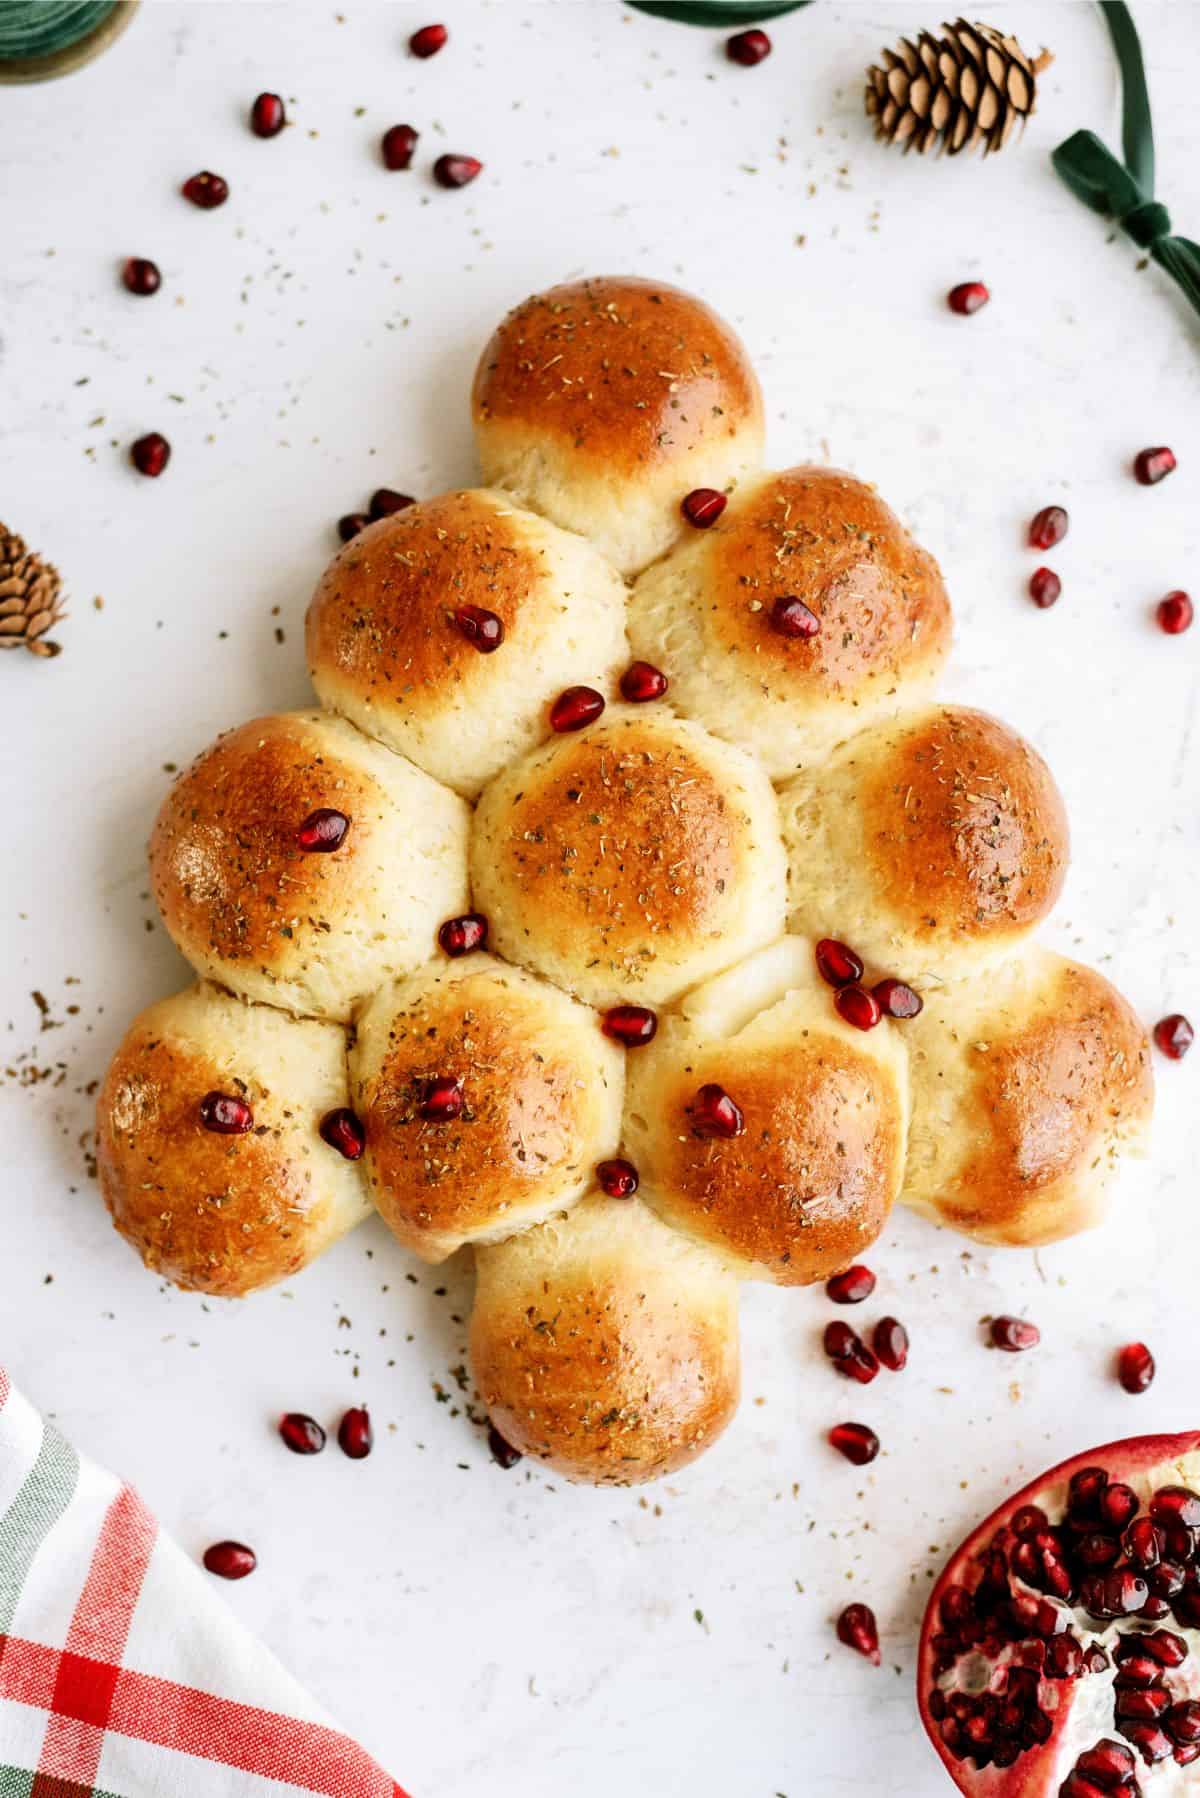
(1027, 1087)
(933, 843)
(300, 863)
(629, 860)
(719, 616)
(487, 1097)
(605, 1344)
(208, 1142)
(602, 403)
(447, 629)
(806, 1184)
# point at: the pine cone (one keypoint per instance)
(30, 597)
(970, 86)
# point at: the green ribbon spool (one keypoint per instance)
(40, 38)
(717, 12)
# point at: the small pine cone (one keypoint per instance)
(30, 598)
(965, 89)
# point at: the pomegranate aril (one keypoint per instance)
(856, 1627)
(642, 681)
(503, 1453)
(619, 1179)
(575, 708)
(1117, 1504)
(302, 1434)
(897, 999)
(456, 171)
(1174, 1036)
(703, 506)
(343, 1131)
(1182, 1721)
(1141, 1543)
(230, 1560)
(1048, 527)
(1064, 1657)
(858, 1007)
(1135, 1367)
(225, 1114)
(837, 963)
(428, 40)
(889, 1339)
(322, 831)
(483, 629)
(856, 1441)
(267, 116)
(849, 1353)
(1155, 1609)
(387, 501)
(1118, 1593)
(206, 190)
(1095, 1660)
(350, 524)
(1028, 1520)
(1168, 1649)
(463, 935)
(397, 146)
(1149, 1740)
(443, 1100)
(1045, 588)
(956, 1605)
(714, 1113)
(1166, 1580)
(1175, 613)
(748, 47)
(150, 454)
(851, 1287)
(1143, 1705)
(1137, 1670)
(790, 617)
(1014, 1334)
(1076, 1786)
(633, 1026)
(1176, 1505)
(355, 1437)
(1096, 1550)
(967, 297)
(1153, 465)
(141, 276)
(1109, 1764)
(1084, 1489)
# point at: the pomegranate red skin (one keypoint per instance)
(1039, 1772)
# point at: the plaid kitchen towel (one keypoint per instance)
(122, 1673)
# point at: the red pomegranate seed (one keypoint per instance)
(141, 276)
(503, 1453)
(397, 146)
(385, 502)
(849, 1353)
(267, 117)
(1064, 1657)
(703, 506)
(642, 681)
(206, 190)
(1135, 1367)
(225, 1114)
(748, 47)
(344, 1132)
(456, 171)
(1153, 465)
(792, 618)
(355, 1437)
(150, 454)
(889, 1339)
(1108, 1764)
(1149, 1741)
(619, 1179)
(1175, 613)
(351, 524)
(575, 708)
(858, 1007)
(230, 1560)
(837, 963)
(322, 831)
(967, 297)
(1117, 1505)
(1084, 1489)
(1168, 1649)
(1182, 1721)
(856, 1441)
(1174, 1036)
(1048, 527)
(302, 1434)
(1142, 1545)
(633, 1026)
(851, 1287)
(481, 628)
(443, 1099)
(1044, 587)
(1013, 1334)
(1028, 1520)
(856, 1627)
(1176, 1504)
(428, 40)
(461, 936)
(714, 1113)
(897, 999)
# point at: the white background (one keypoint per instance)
(488, 1633)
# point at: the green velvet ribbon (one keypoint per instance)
(1125, 190)
(31, 28)
(717, 12)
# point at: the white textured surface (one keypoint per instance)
(489, 1633)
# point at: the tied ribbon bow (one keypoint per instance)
(1125, 190)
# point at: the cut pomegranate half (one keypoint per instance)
(1060, 1652)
